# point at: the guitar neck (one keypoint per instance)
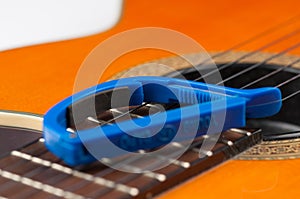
(33, 169)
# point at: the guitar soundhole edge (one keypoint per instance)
(287, 120)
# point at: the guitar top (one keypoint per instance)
(254, 44)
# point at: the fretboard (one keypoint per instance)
(34, 172)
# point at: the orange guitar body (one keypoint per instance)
(35, 78)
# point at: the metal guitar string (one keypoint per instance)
(254, 38)
(259, 64)
(241, 44)
(268, 75)
(288, 81)
(283, 38)
(291, 95)
(272, 43)
(229, 78)
(278, 70)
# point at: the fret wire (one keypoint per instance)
(127, 178)
(131, 177)
(193, 162)
(230, 146)
(134, 169)
(19, 162)
(271, 74)
(38, 185)
(172, 154)
(105, 183)
(122, 115)
(114, 110)
(101, 174)
(283, 38)
(25, 175)
(123, 162)
(130, 111)
(35, 160)
(193, 145)
(47, 163)
(260, 63)
(118, 163)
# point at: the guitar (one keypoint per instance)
(31, 75)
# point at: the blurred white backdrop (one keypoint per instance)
(29, 22)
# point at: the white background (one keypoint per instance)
(28, 22)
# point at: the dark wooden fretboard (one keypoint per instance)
(34, 172)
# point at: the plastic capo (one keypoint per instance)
(178, 110)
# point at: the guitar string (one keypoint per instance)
(271, 74)
(259, 63)
(253, 39)
(229, 78)
(291, 95)
(288, 81)
(283, 38)
(258, 50)
(262, 34)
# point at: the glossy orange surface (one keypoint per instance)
(35, 78)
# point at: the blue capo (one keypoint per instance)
(205, 109)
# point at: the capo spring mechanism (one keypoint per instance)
(145, 113)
